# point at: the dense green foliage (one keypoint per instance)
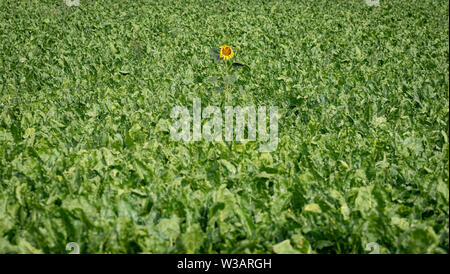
(86, 155)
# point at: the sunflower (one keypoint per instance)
(226, 52)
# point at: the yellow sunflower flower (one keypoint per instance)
(226, 52)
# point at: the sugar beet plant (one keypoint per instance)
(86, 156)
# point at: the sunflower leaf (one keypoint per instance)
(239, 65)
(215, 54)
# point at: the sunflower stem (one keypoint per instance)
(227, 93)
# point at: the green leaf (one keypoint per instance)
(284, 247)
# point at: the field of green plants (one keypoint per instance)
(86, 155)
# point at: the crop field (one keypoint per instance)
(87, 156)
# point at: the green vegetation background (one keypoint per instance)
(86, 155)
